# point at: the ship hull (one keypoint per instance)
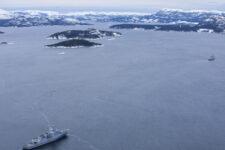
(53, 139)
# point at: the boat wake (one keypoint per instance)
(79, 139)
(45, 117)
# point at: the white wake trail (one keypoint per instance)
(45, 117)
(92, 147)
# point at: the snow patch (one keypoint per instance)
(193, 11)
(111, 39)
(61, 53)
(72, 20)
(206, 30)
(139, 29)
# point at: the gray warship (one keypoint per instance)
(51, 135)
(212, 58)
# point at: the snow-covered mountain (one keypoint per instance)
(35, 18)
(171, 16)
(216, 23)
(177, 15)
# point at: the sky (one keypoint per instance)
(118, 4)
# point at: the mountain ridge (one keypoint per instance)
(166, 16)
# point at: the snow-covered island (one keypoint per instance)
(213, 24)
(74, 43)
(84, 34)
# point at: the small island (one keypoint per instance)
(83, 34)
(74, 43)
(1, 32)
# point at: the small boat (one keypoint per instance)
(212, 58)
(49, 136)
(3, 43)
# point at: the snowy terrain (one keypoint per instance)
(172, 16)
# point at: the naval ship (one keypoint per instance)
(51, 135)
(212, 58)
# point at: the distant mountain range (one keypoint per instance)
(207, 19)
(35, 18)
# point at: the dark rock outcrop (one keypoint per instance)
(74, 43)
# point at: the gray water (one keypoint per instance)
(145, 90)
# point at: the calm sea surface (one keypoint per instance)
(145, 90)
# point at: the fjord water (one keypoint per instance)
(145, 90)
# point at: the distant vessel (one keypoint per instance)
(212, 58)
(3, 43)
(50, 136)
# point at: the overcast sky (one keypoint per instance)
(123, 4)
